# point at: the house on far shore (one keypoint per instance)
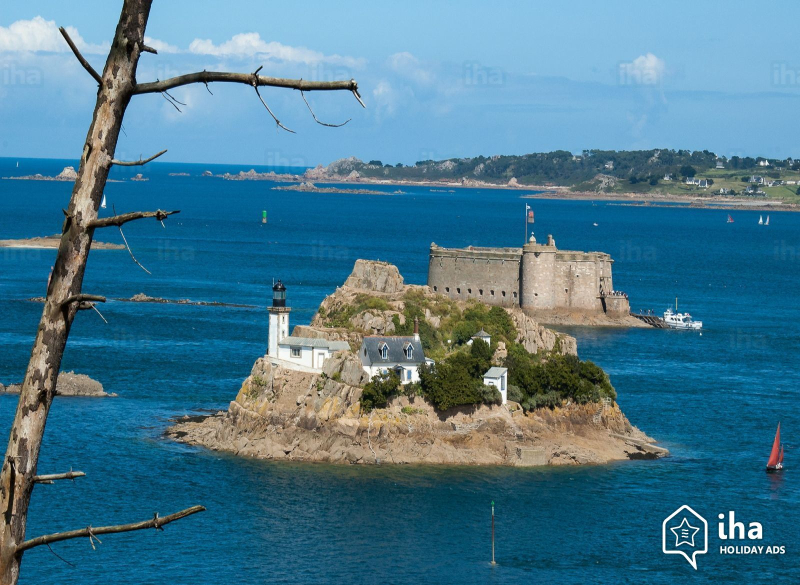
(724, 191)
(298, 353)
(380, 354)
(667, 177)
(757, 180)
(483, 336)
(763, 163)
(609, 165)
(720, 164)
(703, 183)
(498, 377)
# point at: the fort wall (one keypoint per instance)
(538, 277)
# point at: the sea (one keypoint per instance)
(714, 398)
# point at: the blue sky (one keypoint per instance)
(440, 78)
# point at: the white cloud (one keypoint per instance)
(407, 65)
(39, 34)
(160, 46)
(644, 70)
(251, 44)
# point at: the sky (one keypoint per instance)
(440, 78)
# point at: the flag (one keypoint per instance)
(530, 213)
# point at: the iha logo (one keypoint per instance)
(685, 532)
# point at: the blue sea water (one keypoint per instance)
(714, 400)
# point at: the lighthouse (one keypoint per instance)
(278, 319)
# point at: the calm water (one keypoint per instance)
(713, 400)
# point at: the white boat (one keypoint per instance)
(103, 203)
(681, 321)
(760, 220)
(767, 222)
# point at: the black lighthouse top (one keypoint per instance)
(278, 295)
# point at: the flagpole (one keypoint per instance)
(493, 518)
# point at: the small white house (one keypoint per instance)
(498, 377)
(483, 336)
(763, 163)
(667, 177)
(307, 351)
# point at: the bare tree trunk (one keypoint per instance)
(38, 387)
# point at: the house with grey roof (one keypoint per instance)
(497, 377)
(483, 336)
(403, 355)
(308, 352)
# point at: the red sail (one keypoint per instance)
(776, 447)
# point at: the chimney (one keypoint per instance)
(416, 328)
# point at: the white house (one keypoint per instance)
(498, 377)
(403, 355)
(763, 163)
(483, 336)
(720, 164)
(300, 353)
(667, 177)
(757, 180)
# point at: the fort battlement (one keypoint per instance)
(539, 277)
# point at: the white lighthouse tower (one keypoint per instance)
(278, 319)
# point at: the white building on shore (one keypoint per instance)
(403, 355)
(299, 353)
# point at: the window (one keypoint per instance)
(492, 292)
(435, 288)
(295, 352)
(469, 291)
(447, 289)
(384, 352)
(515, 294)
(458, 290)
(503, 293)
(410, 352)
(408, 374)
(480, 292)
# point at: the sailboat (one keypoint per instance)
(775, 462)
(767, 222)
(760, 220)
(730, 219)
(103, 203)
(17, 164)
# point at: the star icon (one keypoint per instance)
(684, 533)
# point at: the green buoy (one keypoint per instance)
(264, 216)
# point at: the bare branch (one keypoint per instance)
(278, 122)
(118, 220)
(207, 77)
(146, 49)
(96, 310)
(82, 298)
(137, 163)
(315, 116)
(80, 58)
(90, 532)
(58, 476)
(139, 264)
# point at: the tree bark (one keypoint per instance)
(38, 388)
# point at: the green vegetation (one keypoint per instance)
(412, 410)
(537, 381)
(640, 171)
(340, 317)
(458, 379)
(379, 391)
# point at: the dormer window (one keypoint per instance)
(410, 352)
(384, 352)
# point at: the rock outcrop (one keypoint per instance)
(297, 416)
(280, 413)
(374, 276)
(68, 384)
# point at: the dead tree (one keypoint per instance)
(116, 87)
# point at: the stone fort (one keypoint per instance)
(538, 277)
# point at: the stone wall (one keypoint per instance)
(537, 277)
(490, 275)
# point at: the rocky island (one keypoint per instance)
(68, 384)
(443, 407)
(45, 242)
